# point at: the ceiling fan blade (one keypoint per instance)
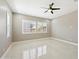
(55, 8)
(52, 4)
(52, 12)
(46, 11)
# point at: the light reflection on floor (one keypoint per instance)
(35, 52)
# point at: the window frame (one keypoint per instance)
(36, 27)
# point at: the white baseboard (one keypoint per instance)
(29, 40)
(72, 43)
(3, 56)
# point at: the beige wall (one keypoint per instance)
(65, 27)
(4, 41)
(17, 28)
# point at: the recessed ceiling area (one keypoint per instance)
(33, 7)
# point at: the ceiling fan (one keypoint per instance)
(51, 8)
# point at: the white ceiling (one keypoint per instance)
(33, 7)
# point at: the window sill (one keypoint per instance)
(36, 33)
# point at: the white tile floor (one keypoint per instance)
(42, 49)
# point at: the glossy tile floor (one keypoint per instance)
(42, 49)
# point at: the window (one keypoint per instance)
(29, 26)
(41, 26)
(44, 27)
(8, 25)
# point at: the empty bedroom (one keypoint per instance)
(38, 29)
